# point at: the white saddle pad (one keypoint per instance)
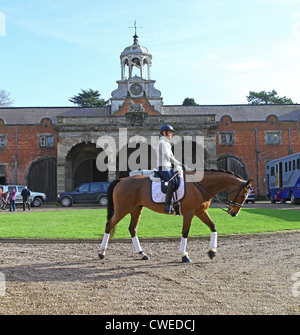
(159, 197)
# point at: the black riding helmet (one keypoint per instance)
(166, 127)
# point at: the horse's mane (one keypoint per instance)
(223, 171)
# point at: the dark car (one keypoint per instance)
(95, 192)
(251, 196)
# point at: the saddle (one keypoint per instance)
(159, 186)
(156, 176)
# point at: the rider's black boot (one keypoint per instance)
(168, 198)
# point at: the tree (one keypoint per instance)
(189, 102)
(88, 98)
(5, 99)
(263, 97)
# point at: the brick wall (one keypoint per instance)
(244, 145)
(28, 148)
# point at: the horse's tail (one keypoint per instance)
(110, 204)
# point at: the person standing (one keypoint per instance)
(12, 200)
(0, 195)
(25, 195)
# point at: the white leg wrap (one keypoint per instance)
(213, 240)
(136, 244)
(183, 244)
(104, 242)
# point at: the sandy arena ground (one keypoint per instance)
(256, 274)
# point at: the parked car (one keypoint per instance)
(36, 198)
(251, 196)
(95, 192)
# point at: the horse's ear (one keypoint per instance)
(249, 182)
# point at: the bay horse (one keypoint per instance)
(132, 194)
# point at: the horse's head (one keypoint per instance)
(237, 198)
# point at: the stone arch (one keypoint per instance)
(81, 166)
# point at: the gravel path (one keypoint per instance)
(256, 274)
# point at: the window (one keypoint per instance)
(105, 186)
(3, 141)
(226, 138)
(11, 187)
(46, 141)
(95, 188)
(298, 164)
(83, 188)
(272, 171)
(272, 137)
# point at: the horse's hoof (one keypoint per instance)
(186, 259)
(144, 256)
(212, 253)
(101, 256)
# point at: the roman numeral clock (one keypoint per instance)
(136, 62)
(136, 89)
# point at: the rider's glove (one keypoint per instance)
(185, 168)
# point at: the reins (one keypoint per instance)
(227, 203)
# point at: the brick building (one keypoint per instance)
(55, 149)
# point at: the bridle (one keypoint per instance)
(231, 202)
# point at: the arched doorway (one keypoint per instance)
(138, 158)
(87, 172)
(81, 166)
(42, 177)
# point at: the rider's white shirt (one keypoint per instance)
(165, 157)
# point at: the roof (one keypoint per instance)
(238, 113)
(34, 115)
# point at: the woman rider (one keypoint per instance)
(165, 159)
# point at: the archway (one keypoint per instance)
(81, 165)
(41, 177)
(139, 158)
(87, 172)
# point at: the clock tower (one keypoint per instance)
(136, 62)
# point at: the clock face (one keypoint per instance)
(136, 89)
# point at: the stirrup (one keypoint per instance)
(168, 209)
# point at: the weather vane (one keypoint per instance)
(135, 27)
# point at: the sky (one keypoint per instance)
(214, 51)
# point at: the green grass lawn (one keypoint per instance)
(90, 224)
